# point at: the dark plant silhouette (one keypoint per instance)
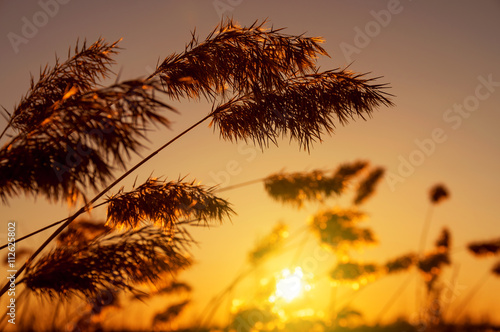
(438, 193)
(298, 188)
(269, 244)
(352, 272)
(485, 248)
(117, 261)
(69, 135)
(337, 229)
(165, 204)
(401, 263)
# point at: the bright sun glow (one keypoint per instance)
(289, 285)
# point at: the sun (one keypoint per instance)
(289, 285)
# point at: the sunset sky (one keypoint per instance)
(441, 60)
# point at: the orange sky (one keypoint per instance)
(441, 60)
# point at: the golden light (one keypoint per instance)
(289, 285)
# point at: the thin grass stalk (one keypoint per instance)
(215, 302)
(6, 127)
(236, 186)
(453, 280)
(210, 309)
(45, 228)
(466, 301)
(421, 247)
(87, 206)
(56, 314)
(300, 249)
(239, 185)
(425, 230)
(229, 305)
(394, 297)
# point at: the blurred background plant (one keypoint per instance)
(336, 231)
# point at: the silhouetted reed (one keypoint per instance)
(164, 204)
(70, 135)
(170, 313)
(81, 232)
(438, 193)
(243, 59)
(485, 248)
(367, 186)
(80, 142)
(353, 272)
(338, 231)
(300, 187)
(116, 261)
(304, 108)
(269, 244)
(401, 263)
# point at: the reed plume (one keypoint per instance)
(367, 186)
(80, 141)
(485, 248)
(81, 232)
(80, 73)
(431, 265)
(349, 272)
(438, 193)
(116, 261)
(337, 229)
(243, 59)
(269, 244)
(170, 313)
(71, 134)
(304, 108)
(164, 204)
(297, 188)
(401, 263)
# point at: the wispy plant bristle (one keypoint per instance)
(81, 142)
(170, 313)
(80, 72)
(121, 261)
(337, 229)
(81, 232)
(269, 244)
(297, 188)
(367, 186)
(304, 108)
(349, 272)
(438, 193)
(164, 204)
(485, 248)
(401, 263)
(243, 59)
